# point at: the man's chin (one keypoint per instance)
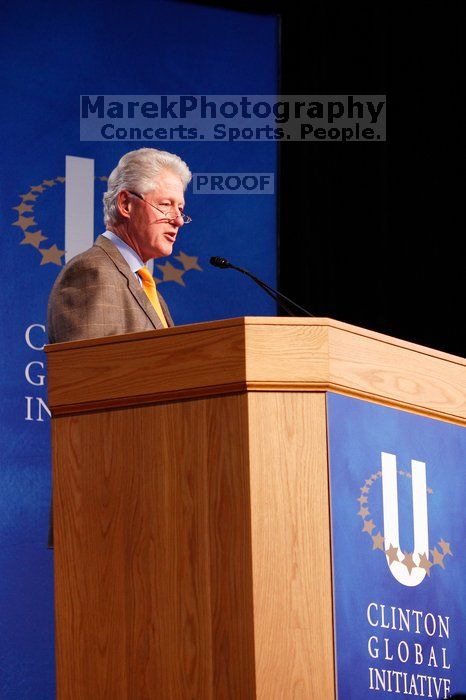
(162, 252)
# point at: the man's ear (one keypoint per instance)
(124, 204)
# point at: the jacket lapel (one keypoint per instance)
(133, 286)
(165, 310)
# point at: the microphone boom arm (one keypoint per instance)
(282, 300)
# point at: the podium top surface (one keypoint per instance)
(255, 354)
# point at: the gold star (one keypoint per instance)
(172, 274)
(429, 490)
(408, 562)
(189, 262)
(379, 473)
(378, 541)
(368, 526)
(364, 489)
(438, 558)
(21, 208)
(373, 477)
(400, 471)
(28, 197)
(392, 554)
(362, 499)
(33, 238)
(445, 547)
(425, 564)
(104, 178)
(60, 179)
(363, 512)
(368, 482)
(37, 188)
(49, 183)
(408, 475)
(51, 255)
(24, 222)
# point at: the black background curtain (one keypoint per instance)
(371, 233)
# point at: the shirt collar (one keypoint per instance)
(132, 258)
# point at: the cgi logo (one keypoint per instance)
(80, 185)
(408, 568)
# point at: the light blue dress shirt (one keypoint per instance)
(131, 257)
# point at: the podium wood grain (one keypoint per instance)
(193, 561)
(290, 524)
(156, 541)
(266, 354)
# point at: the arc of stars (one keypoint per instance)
(54, 255)
(24, 222)
(392, 552)
(408, 562)
(425, 564)
(437, 557)
(189, 262)
(445, 547)
(369, 525)
(171, 273)
(28, 197)
(22, 208)
(33, 239)
(424, 561)
(51, 255)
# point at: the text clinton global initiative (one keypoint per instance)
(388, 653)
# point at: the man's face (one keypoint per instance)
(151, 233)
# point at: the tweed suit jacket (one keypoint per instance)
(96, 294)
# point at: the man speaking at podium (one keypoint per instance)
(108, 290)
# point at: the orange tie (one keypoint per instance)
(148, 284)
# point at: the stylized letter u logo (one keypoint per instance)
(411, 575)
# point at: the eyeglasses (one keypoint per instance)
(186, 219)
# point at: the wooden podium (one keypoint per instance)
(191, 501)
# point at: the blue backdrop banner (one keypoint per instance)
(398, 530)
(50, 54)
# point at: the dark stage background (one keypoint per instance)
(370, 233)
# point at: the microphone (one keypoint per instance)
(286, 303)
(220, 262)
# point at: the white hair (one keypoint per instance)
(138, 171)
